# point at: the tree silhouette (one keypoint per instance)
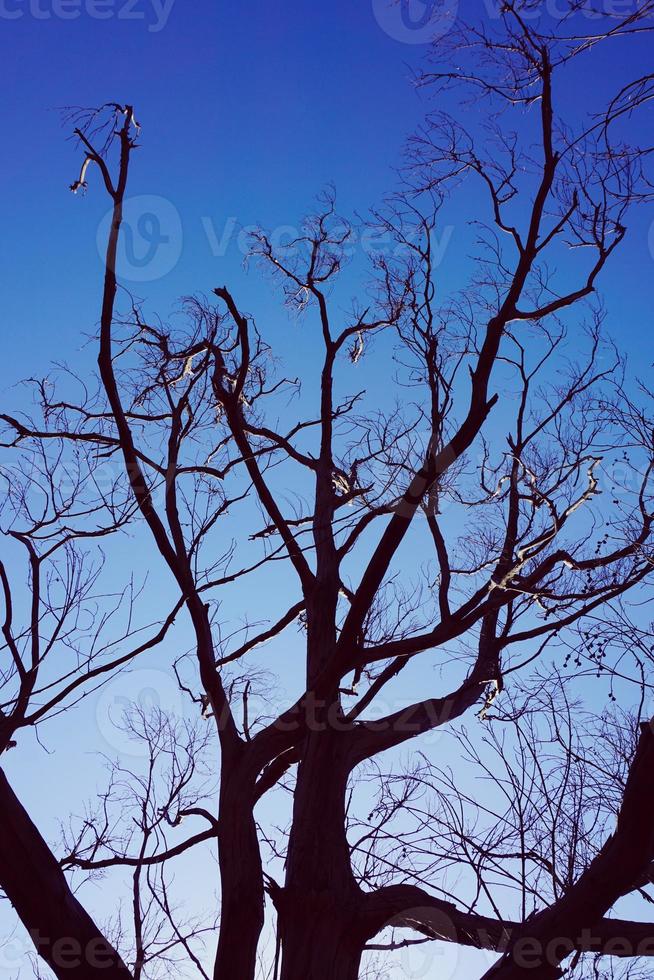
(466, 528)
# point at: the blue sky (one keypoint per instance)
(247, 112)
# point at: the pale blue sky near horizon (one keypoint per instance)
(247, 113)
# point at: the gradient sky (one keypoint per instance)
(247, 112)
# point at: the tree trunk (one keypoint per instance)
(319, 907)
(320, 943)
(241, 880)
(64, 934)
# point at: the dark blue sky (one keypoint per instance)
(248, 111)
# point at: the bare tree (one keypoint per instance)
(131, 827)
(467, 529)
(61, 641)
(529, 810)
